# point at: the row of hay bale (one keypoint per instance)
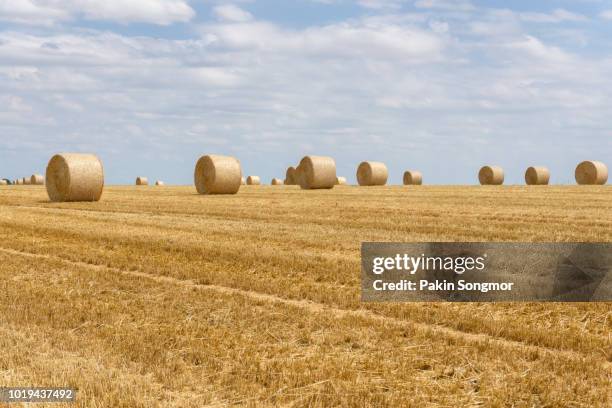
(318, 172)
(80, 177)
(586, 173)
(144, 181)
(34, 179)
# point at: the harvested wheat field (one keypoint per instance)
(168, 298)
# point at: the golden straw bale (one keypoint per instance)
(216, 174)
(74, 177)
(413, 178)
(537, 176)
(37, 179)
(290, 176)
(491, 176)
(592, 173)
(371, 173)
(253, 181)
(317, 172)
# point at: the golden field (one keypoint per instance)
(159, 297)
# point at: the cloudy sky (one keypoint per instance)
(437, 85)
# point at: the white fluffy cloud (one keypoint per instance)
(557, 16)
(336, 41)
(606, 14)
(230, 12)
(454, 5)
(47, 12)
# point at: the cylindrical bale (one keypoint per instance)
(3, 183)
(74, 177)
(253, 181)
(372, 174)
(242, 181)
(340, 181)
(317, 172)
(216, 174)
(160, 183)
(537, 176)
(18, 182)
(142, 181)
(276, 182)
(297, 176)
(26, 180)
(290, 176)
(491, 176)
(37, 179)
(591, 173)
(413, 178)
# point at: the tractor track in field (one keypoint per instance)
(320, 308)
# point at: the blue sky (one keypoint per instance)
(436, 85)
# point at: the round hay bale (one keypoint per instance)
(340, 181)
(317, 172)
(74, 177)
(591, 173)
(160, 183)
(216, 174)
(37, 179)
(491, 176)
(372, 174)
(253, 181)
(297, 176)
(18, 182)
(276, 182)
(242, 181)
(413, 178)
(3, 183)
(537, 176)
(26, 181)
(290, 176)
(142, 181)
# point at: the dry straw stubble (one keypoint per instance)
(491, 176)
(317, 172)
(74, 177)
(591, 173)
(537, 176)
(371, 173)
(413, 178)
(217, 174)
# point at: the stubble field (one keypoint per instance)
(159, 297)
